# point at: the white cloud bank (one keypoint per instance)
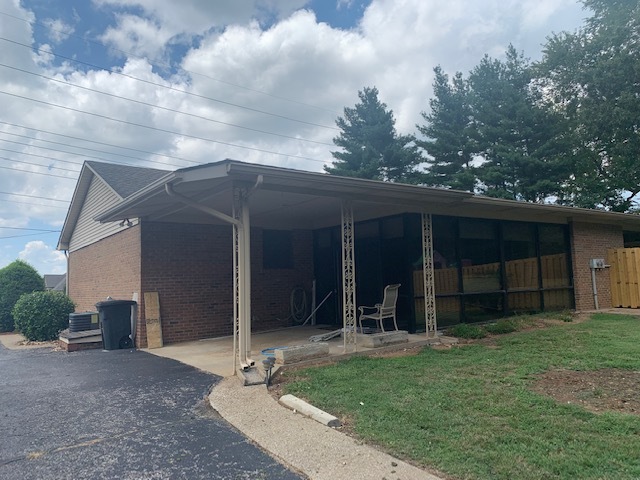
(395, 46)
(43, 258)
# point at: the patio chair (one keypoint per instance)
(382, 311)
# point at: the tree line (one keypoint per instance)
(565, 129)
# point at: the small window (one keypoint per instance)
(277, 249)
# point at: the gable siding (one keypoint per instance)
(87, 231)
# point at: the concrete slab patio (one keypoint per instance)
(215, 355)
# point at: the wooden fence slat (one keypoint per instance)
(625, 277)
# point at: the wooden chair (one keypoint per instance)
(384, 310)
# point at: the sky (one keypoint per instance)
(166, 84)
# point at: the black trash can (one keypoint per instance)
(115, 319)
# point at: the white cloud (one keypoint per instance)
(394, 47)
(43, 258)
(59, 31)
(179, 22)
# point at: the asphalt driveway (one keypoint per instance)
(116, 415)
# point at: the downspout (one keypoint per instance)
(66, 280)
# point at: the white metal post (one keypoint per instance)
(428, 276)
(242, 280)
(246, 233)
(348, 277)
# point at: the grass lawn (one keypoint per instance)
(470, 411)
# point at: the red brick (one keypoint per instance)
(592, 241)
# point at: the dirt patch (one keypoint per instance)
(598, 391)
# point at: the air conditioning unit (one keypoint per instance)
(80, 322)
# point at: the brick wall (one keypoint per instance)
(271, 288)
(109, 267)
(190, 266)
(592, 241)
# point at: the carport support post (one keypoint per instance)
(427, 276)
(241, 279)
(348, 277)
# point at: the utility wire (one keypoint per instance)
(93, 141)
(27, 235)
(163, 130)
(167, 109)
(204, 97)
(17, 202)
(42, 156)
(35, 173)
(38, 164)
(81, 154)
(35, 196)
(31, 229)
(167, 65)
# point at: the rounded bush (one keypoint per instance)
(40, 316)
(16, 279)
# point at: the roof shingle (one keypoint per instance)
(125, 179)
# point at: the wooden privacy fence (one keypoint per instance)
(522, 275)
(625, 277)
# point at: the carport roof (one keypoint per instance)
(287, 198)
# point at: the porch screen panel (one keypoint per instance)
(554, 265)
(480, 256)
(553, 256)
(521, 267)
(445, 257)
(483, 307)
(521, 259)
(558, 299)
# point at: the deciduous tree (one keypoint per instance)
(591, 77)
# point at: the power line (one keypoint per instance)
(93, 141)
(31, 229)
(42, 156)
(35, 196)
(168, 65)
(84, 155)
(17, 202)
(35, 173)
(38, 164)
(200, 117)
(27, 235)
(163, 130)
(204, 97)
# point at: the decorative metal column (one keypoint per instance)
(427, 271)
(348, 277)
(241, 281)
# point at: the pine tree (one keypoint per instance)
(521, 142)
(371, 147)
(448, 142)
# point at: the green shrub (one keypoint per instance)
(464, 330)
(16, 279)
(40, 316)
(504, 325)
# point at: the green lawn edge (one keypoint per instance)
(470, 412)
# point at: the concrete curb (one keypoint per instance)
(319, 452)
(308, 410)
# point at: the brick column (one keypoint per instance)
(592, 241)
